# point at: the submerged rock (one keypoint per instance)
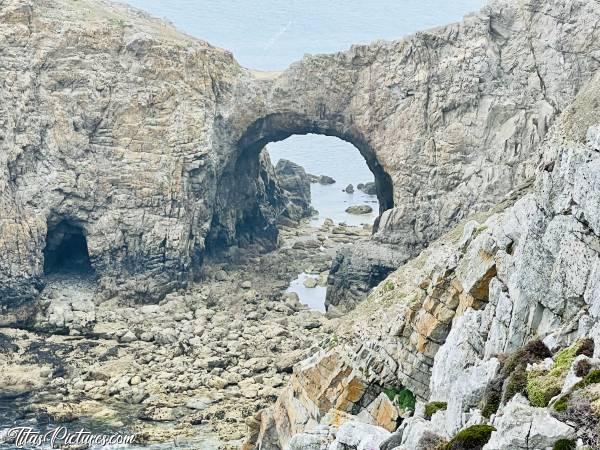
(311, 282)
(368, 188)
(324, 179)
(359, 209)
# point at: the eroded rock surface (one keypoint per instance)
(445, 324)
(150, 143)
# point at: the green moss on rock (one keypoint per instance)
(432, 407)
(593, 377)
(543, 386)
(492, 397)
(562, 403)
(472, 438)
(403, 397)
(516, 383)
(565, 444)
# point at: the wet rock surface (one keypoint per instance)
(359, 209)
(293, 179)
(154, 166)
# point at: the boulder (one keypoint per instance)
(381, 412)
(318, 439)
(349, 189)
(368, 188)
(295, 182)
(359, 209)
(520, 426)
(324, 179)
(418, 434)
(359, 435)
(311, 282)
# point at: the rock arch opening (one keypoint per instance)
(249, 199)
(323, 178)
(66, 250)
(278, 127)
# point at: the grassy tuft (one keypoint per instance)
(403, 397)
(562, 403)
(543, 386)
(593, 377)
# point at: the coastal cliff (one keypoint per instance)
(140, 149)
(494, 325)
(147, 141)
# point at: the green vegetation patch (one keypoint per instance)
(562, 403)
(432, 407)
(542, 386)
(389, 286)
(492, 397)
(565, 444)
(593, 377)
(403, 397)
(472, 438)
(534, 351)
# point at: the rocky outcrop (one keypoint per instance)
(354, 271)
(106, 122)
(447, 324)
(448, 120)
(149, 145)
(294, 180)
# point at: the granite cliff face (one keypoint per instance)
(147, 141)
(460, 326)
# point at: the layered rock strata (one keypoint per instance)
(447, 323)
(148, 141)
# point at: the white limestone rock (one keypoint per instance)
(358, 435)
(520, 426)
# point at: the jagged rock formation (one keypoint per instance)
(294, 180)
(441, 324)
(447, 120)
(147, 141)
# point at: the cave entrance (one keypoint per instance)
(66, 250)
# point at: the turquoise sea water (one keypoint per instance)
(271, 34)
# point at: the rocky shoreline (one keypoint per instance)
(200, 362)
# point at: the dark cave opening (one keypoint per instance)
(66, 250)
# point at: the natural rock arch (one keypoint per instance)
(143, 150)
(248, 199)
(279, 126)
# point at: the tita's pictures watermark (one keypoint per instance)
(62, 437)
